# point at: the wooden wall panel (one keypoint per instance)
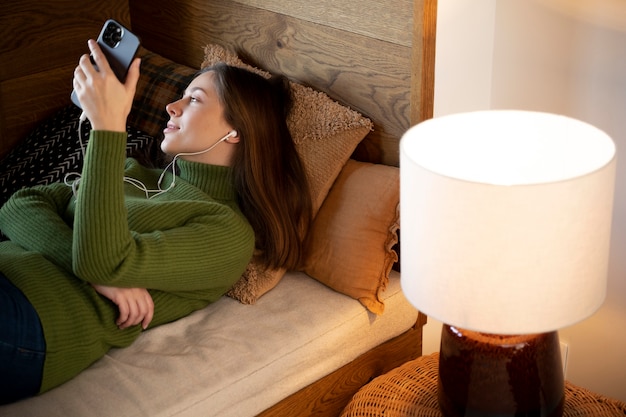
(39, 50)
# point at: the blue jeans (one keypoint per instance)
(22, 345)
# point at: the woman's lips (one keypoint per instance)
(171, 127)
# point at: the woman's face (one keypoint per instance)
(196, 120)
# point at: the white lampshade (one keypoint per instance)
(506, 219)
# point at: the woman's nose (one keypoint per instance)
(172, 108)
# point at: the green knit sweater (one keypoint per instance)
(188, 246)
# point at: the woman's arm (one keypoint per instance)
(33, 219)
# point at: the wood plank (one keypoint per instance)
(389, 21)
(423, 61)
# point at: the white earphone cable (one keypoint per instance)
(135, 182)
(67, 178)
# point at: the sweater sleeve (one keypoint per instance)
(33, 219)
(204, 246)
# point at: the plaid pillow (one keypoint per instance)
(161, 82)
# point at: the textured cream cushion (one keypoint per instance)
(325, 133)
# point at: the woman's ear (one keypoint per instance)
(232, 137)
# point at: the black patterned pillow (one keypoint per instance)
(53, 150)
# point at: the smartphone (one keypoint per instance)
(119, 46)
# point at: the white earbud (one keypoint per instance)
(230, 134)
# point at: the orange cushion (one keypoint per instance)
(350, 245)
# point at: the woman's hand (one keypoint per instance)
(104, 99)
(135, 305)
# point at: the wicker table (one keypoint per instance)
(410, 390)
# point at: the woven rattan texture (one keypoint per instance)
(410, 390)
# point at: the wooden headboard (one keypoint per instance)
(377, 57)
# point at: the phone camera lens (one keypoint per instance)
(113, 35)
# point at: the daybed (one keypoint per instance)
(279, 344)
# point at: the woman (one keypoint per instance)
(86, 269)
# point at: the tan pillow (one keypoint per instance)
(349, 247)
(325, 133)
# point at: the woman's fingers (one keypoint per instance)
(132, 76)
(136, 309)
(149, 312)
(124, 307)
(99, 60)
(135, 305)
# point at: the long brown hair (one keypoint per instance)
(269, 177)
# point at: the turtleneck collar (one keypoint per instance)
(214, 180)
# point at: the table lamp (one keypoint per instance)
(506, 220)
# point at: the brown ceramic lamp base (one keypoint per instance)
(499, 376)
